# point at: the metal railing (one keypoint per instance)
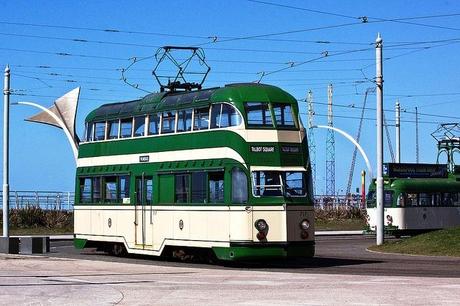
(47, 200)
(353, 200)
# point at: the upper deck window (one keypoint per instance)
(169, 120)
(201, 121)
(154, 124)
(224, 115)
(258, 114)
(89, 132)
(184, 120)
(283, 115)
(139, 126)
(99, 131)
(113, 129)
(126, 128)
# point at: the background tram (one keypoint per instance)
(222, 169)
(417, 198)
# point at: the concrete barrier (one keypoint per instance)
(9, 245)
(34, 244)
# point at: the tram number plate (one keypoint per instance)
(262, 149)
(144, 158)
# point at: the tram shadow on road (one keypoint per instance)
(292, 263)
(300, 263)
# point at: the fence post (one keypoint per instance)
(16, 199)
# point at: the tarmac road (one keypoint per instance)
(334, 255)
(343, 272)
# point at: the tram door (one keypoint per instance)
(143, 213)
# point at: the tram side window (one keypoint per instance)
(201, 118)
(283, 115)
(424, 199)
(411, 199)
(97, 194)
(139, 126)
(182, 188)
(126, 128)
(184, 120)
(123, 187)
(110, 183)
(387, 198)
(113, 129)
(99, 131)
(85, 190)
(199, 187)
(456, 199)
(169, 120)
(216, 187)
(224, 115)
(154, 124)
(239, 186)
(258, 114)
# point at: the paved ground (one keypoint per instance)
(342, 273)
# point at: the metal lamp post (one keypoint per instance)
(6, 117)
(379, 180)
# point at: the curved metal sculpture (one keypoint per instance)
(61, 114)
(366, 159)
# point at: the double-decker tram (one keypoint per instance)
(223, 169)
(417, 198)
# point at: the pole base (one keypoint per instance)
(9, 245)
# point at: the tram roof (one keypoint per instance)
(234, 93)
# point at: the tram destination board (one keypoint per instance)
(406, 170)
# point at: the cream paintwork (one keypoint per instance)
(182, 155)
(204, 226)
(411, 218)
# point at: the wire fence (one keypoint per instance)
(47, 200)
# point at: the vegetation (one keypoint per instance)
(438, 243)
(35, 221)
(331, 218)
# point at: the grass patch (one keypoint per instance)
(340, 225)
(39, 231)
(438, 243)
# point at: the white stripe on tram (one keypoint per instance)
(168, 156)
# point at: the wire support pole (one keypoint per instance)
(330, 148)
(398, 131)
(379, 180)
(311, 139)
(416, 136)
(6, 134)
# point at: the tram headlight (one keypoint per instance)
(261, 225)
(305, 224)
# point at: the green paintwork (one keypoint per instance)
(79, 243)
(252, 253)
(415, 185)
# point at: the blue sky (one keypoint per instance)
(419, 70)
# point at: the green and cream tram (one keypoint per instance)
(417, 198)
(225, 169)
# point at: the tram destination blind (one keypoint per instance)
(406, 170)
